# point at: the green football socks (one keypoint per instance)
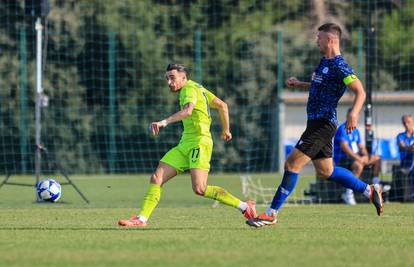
(220, 194)
(151, 200)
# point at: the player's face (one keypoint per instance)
(326, 41)
(408, 123)
(322, 41)
(175, 80)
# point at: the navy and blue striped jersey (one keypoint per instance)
(329, 82)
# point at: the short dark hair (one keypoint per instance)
(178, 67)
(406, 116)
(332, 28)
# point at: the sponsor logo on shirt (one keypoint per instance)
(317, 78)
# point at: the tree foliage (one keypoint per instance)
(105, 63)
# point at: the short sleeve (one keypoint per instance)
(346, 73)
(209, 96)
(188, 95)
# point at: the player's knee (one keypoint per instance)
(156, 179)
(292, 167)
(199, 190)
(324, 173)
(289, 166)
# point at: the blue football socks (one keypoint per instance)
(347, 179)
(285, 188)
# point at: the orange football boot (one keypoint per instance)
(132, 222)
(262, 220)
(376, 198)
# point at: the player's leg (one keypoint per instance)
(173, 162)
(200, 187)
(306, 148)
(162, 174)
(199, 162)
(357, 167)
(200, 167)
(293, 165)
(326, 170)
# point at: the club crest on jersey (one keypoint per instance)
(325, 70)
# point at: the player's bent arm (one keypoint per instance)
(180, 115)
(293, 82)
(304, 85)
(223, 111)
(357, 88)
(352, 119)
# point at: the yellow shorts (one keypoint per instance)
(189, 155)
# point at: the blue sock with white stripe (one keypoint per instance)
(346, 178)
(285, 188)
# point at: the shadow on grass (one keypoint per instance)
(60, 203)
(38, 228)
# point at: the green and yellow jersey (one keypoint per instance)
(197, 125)
(196, 145)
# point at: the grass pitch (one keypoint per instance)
(185, 230)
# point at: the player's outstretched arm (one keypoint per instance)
(352, 118)
(223, 111)
(180, 115)
(293, 82)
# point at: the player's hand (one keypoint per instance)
(351, 122)
(292, 82)
(156, 126)
(226, 135)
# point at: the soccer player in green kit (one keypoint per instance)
(194, 150)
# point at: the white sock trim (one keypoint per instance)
(270, 212)
(142, 218)
(367, 191)
(242, 206)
